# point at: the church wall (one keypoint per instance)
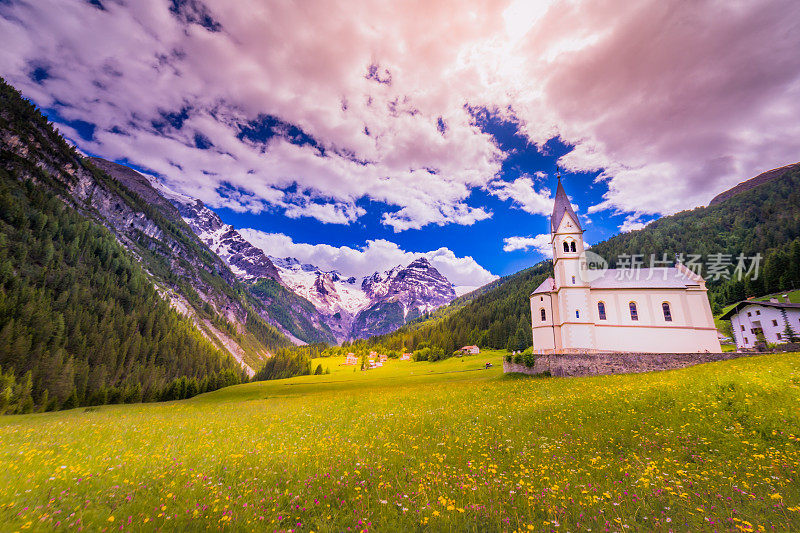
(542, 329)
(652, 333)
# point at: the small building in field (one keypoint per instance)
(405, 357)
(472, 350)
(351, 359)
(383, 358)
(750, 318)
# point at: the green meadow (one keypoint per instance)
(423, 446)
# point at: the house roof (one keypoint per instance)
(744, 303)
(644, 278)
(562, 206)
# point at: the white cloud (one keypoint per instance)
(540, 243)
(632, 223)
(523, 194)
(672, 101)
(375, 255)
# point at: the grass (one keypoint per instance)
(424, 446)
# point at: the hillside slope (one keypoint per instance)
(81, 322)
(184, 270)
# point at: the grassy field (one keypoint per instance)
(424, 446)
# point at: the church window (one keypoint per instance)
(577, 314)
(779, 336)
(544, 316)
(634, 312)
(572, 246)
(774, 322)
(749, 314)
(746, 341)
(601, 310)
(566, 246)
(742, 327)
(758, 312)
(667, 311)
(573, 280)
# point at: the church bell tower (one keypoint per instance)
(571, 288)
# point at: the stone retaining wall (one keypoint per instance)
(615, 363)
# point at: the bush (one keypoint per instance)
(422, 354)
(518, 359)
(509, 358)
(528, 359)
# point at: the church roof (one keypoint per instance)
(644, 278)
(546, 286)
(562, 206)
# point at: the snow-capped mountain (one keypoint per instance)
(374, 304)
(399, 296)
(349, 307)
(244, 259)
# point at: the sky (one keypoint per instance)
(357, 135)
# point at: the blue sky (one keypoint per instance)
(482, 240)
(359, 145)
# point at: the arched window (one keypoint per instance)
(667, 312)
(573, 280)
(634, 312)
(601, 310)
(544, 315)
(572, 246)
(577, 314)
(566, 246)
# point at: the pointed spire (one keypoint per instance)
(561, 206)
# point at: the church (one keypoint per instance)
(640, 310)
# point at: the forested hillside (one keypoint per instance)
(147, 226)
(82, 261)
(763, 220)
(80, 322)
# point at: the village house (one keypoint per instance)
(750, 318)
(351, 359)
(580, 310)
(405, 357)
(472, 350)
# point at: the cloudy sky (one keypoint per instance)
(357, 134)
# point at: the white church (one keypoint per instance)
(653, 310)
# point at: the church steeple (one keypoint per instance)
(562, 206)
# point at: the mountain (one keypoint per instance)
(372, 305)
(761, 219)
(399, 296)
(746, 185)
(87, 272)
(317, 305)
(181, 267)
(245, 269)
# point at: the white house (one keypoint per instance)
(579, 310)
(748, 318)
(472, 350)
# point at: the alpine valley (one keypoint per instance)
(243, 301)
